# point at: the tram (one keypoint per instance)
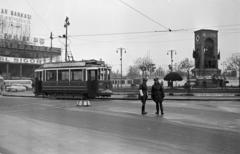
(86, 78)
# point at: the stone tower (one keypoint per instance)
(206, 54)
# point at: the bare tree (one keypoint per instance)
(146, 65)
(159, 72)
(133, 72)
(184, 66)
(234, 64)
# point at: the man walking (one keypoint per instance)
(143, 94)
(157, 94)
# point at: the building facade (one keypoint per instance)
(20, 53)
(19, 59)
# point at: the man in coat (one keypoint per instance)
(158, 95)
(143, 94)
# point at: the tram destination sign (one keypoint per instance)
(65, 64)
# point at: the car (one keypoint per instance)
(15, 88)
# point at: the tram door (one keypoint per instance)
(92, 77)
(38, 82)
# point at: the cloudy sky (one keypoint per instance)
(95, 23)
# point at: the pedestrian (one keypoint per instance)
(1, 85)
(143, 95)
(158, 95)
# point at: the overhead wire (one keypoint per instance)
(146, 16)
(122, 33)
(43, 22)
(132, 33)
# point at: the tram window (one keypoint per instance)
(43, 76)
(51, 75)
(105, 74)
(77, 75)
(92, 75)
(63, 75)
(108, 72)
(101, 74)
(39, 75)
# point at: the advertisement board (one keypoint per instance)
(15, 25)
(17, 60)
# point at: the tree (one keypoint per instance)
(115, 74)
(159, 72)
(146, 65)
(184, 66)
(133, 72)
(234, 64)
(172, 76)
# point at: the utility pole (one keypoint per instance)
(171, 54)
(51, 38)
(121, 50)
(67, 23)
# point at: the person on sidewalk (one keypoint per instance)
(1, 85)
(143, 95)
(158, 95)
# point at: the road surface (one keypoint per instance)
(49, 126)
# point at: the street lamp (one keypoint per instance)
(121, 50)
(67, 23)
(171, 54)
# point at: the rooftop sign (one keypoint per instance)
(24, 60)
(15, 25)
(65, 64)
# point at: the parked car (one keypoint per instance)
(16, 88)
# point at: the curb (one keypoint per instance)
(129, 98)
(17, 95)
(185, 99)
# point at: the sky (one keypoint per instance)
(89, 18)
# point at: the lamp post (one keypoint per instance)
(51, 38)
(121, 50)
(171, 52)
(67, 23)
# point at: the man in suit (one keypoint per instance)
(158, 95)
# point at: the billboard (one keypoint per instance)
(17, 60)
(15, 25)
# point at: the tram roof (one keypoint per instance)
(84, 63)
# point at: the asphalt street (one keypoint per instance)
(41, 125)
